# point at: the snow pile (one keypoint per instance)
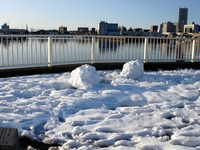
(85, 76)
(133, 69)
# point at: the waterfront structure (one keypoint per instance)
(182, 18)
(93, 31)
(172, 27)
(176, 26)
(122, 29)
(47, 32)
(154, 28)
(168, 27)
(5, 26)
(191, 28)
(105, 28)
(62, 30)
(5, 29)
(83, 30)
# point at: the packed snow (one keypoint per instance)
(84, 77)
(119, 109)
(133, 69)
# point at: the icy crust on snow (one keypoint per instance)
(160, 110)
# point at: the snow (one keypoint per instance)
(89, 109)
(85, 76)
(133, 69)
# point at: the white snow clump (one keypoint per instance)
(84, 77)
(133, 69)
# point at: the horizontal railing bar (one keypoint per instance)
(22, 66)
(97, 36)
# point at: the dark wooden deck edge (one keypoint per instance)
(25, 142)
(99, 66)
(9, 139)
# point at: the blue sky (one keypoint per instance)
(50, 14)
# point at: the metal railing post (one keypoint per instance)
(50, 51)
(145, 49)
(92, 50)
(193, 50)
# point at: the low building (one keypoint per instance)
(83, 30)
(122, 29)
(154, 28)
(105, 28)
(136, 32)
(46, 32)
(5, 29)
(176, 26)
(93, 31)
(191, 28)
(62, 30)
(5, 26)
(168, 27)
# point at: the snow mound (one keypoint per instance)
(133, 69)
(84, 76)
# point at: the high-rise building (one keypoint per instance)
(182, 18)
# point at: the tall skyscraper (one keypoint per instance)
(182, 18)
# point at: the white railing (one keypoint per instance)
(24, 51)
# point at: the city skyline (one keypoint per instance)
(50, 14)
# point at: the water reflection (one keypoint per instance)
(106, 45)
(171, 49)
(7, 41)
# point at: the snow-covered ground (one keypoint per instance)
(89, 109)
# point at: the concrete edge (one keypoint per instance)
(151, 66)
